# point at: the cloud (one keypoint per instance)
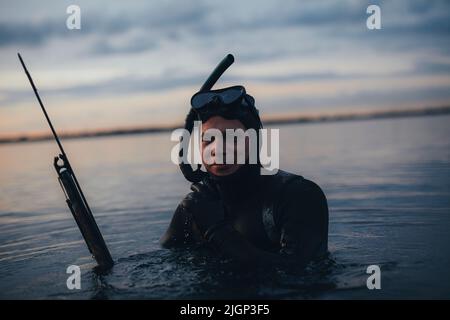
(364, 99)
(135, 45)
(209, 18)
(26, 33)
(162, 46)
(102, 23)
(116, 86)
(429, 67)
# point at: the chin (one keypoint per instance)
(223, 169)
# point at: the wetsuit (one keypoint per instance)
(269, 218)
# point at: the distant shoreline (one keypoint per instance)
(300, 119)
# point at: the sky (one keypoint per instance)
(137, 63)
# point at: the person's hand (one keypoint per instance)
(205, 205)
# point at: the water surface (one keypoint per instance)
(387, 183)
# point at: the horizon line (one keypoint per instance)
(268, 121)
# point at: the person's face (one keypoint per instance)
(221, 124)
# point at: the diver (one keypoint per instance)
(252, 218)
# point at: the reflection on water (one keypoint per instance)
(387, 182)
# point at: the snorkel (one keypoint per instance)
(197, 175)
(250, 119)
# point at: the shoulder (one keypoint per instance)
(303, 188)
(287, 184)
(295, 197)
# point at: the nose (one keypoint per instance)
(218, 151)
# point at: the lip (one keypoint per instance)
(221, 165)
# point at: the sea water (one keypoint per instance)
(387, 183)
